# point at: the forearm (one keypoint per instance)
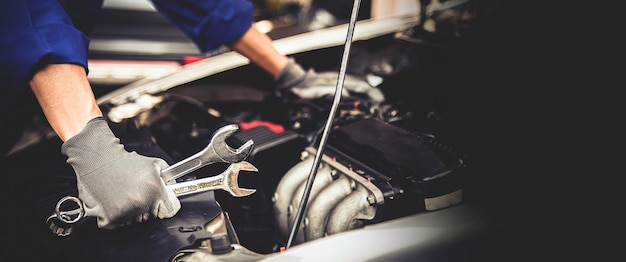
(258, 47)
(66, 98)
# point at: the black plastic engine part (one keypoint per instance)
(398, 161)
(154, 240)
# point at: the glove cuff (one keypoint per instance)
(95, 146)
(291, 75)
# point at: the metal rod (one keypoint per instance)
(329, 122)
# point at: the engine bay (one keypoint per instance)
(411, 154)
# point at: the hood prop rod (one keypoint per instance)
(329, 121)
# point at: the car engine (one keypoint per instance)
(408, 155)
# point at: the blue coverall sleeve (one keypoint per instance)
(209, 23)
(35, 33)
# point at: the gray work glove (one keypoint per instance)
(116, 186)
(310, 84)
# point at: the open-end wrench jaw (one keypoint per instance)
(217, 151)
(231, 179)
(225, 152)
(227, 181)
(230, 155)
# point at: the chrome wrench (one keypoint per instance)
(216, 151)
(61, 222)
(227, 181)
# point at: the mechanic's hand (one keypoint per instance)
(310, 85)
(116, 186)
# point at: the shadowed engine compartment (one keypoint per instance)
(411, 154)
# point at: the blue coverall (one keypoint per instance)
(39, 32)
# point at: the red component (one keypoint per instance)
(192, 59)
(276, 128)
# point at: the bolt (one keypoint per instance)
(304, 155)
(371, 199)
(352, 184)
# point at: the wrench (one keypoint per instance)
(227, 180)
(60, 222)
(216, 151)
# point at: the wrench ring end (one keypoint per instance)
(62, 217)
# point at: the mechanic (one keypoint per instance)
(44, 63)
